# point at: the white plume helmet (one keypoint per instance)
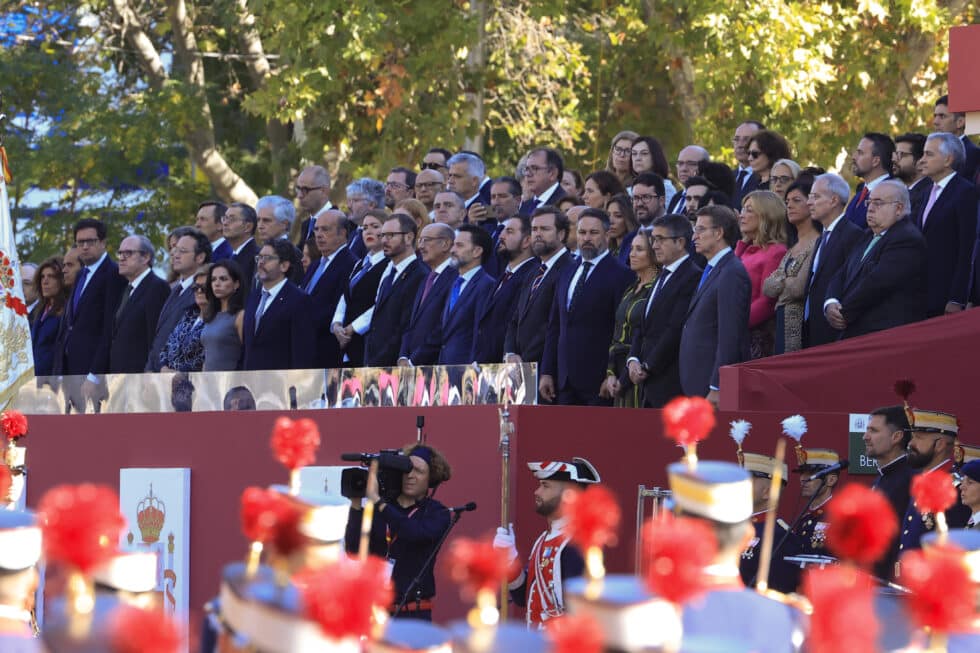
(795, 427)
(740, 429)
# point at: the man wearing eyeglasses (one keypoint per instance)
(909, 148)
(542, 176)
(435, 159)
(883, 282)
(134, 322)
(428, 184)
(399, 186)
(423, 337)
(872, 162)
(325, 283)
(313, 193)
(687, 166)
(746, 180)
(648, 197)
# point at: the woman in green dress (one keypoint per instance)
(629, 318)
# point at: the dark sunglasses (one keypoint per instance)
(431, 166)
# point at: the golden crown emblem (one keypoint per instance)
(150, 515)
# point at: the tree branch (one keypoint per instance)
(134, 34)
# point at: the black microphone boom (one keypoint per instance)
(833, 469)
(469, 507)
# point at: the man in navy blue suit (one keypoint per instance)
(396, 292)
(949, 222)
(515, 246)
(466, 173)
(238, 228)
(132, 325)
(208, 222)
(278, 326)
(955, 123)
(313, 194)
(909, 148)
(467, 296)
(872, 162)
(839, 237)
(583, 315)
(422, 339)
(883, 282)
(543, 173)
(505, 203)
(325, 282)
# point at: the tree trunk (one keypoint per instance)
(475, 64)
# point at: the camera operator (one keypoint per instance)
(407, 529)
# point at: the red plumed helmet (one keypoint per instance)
(676, 551)
(286, 515)
(933, 492)
(862, 524)
(942, 596)
(688, 420)
(259, 513)
(13, 423)
(339, 597)
(80, 524)
(579, 633)
(132, 630)
(294, 443)
(842, 597)
(904, 388)
(477, 564)
(593, 516)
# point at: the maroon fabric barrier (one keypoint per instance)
(229, 451)
(940, 355)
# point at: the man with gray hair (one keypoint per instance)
(313, 194)
(827, 202)
(129, 335)
(275, 215)
(465, 176)
(883, 283)
(687, 166)
(363, 195)
(949, 223)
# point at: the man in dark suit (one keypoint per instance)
(363, 195)
(653, 361)
(949, 223)
(515, 246)
(422, 339)
(525, 337)
(313, 194)
(583, 315)
(872, 162)
(883, 282)
(716, 327)
(278, 326)
(133, 323)
(238, 227)
(746, 180)
(909, 148)
(191, 252)
(208, 222)
(505, 203)
(467, 296)
(839, 237)
(688, 162)
(325, 283)
(886, 439)
(466, 173)
(955, 123)
(543, 172)
(396, 293)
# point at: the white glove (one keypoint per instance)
(504, 539)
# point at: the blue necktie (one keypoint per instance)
(454, 293)
(320, 269)
(79, 287)
(386, 285)
(366, 261)
(704, 275)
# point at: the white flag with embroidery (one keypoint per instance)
(16, 355)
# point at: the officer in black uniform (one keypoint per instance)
(812, 528)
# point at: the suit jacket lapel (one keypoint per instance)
(710, 280)
(276, 305)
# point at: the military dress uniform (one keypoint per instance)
(812, 527)
(916, 524)
(20, 549)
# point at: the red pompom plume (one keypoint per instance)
(676, 551)
(295, 442)
(340, 597)
(579, 633)
(933, 492)
(80, 524)
(904, 388)
(132, 630)
(862, 524)
(842, 598)
(593, 516)
(942, 595)
(259, 513)
(478, 565)
(13, 423)
(688, 420)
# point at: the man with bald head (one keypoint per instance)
(313, 193)
(883, 283)
(325, 282)
(423, 337)
(427, 184)
(687, 166)
(130, 332)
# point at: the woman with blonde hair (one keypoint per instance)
(414, 208)
(784, 173)
(763, 245)
(620, 154)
